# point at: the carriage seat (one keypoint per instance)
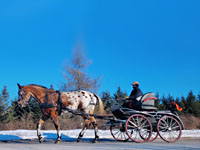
(148, 101)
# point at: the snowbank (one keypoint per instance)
(70, 134)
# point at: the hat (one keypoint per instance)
(135, 82)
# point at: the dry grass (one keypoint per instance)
(76, 122)
(190, 122)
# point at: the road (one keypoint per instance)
(103, 144)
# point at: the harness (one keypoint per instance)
(59, 103)
(46, 104)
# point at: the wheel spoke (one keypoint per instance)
(143, 123)
(118, 135)
(163, 123)
(175, 133)
(147, 126)
(145, 133)
(176, 127)
(116, 132)
(124, 135)
(131, 127)
(133, 123)
(173, 124)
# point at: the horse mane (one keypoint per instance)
(39, 86)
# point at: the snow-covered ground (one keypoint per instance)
(70, 134)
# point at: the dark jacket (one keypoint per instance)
(133, 103)
(136, 92)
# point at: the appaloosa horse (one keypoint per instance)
(52, 102)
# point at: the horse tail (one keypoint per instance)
(101, 107)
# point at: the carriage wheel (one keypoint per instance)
(154, 136)
(138, 128)
(169, 129)
(118, 132)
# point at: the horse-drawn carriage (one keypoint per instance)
(139, 125)
(146, 123)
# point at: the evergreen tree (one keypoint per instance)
(192, 105)
(120, 95)
(196, 109)
(13, 114)
(183, 104)
(199, 97)
(163, 105)
(177, 101)
(34, 110)
(157, 102)
(16, 112)
(169, 105)
(190, 101)
(1, 107)
(4, 99)
(107, 100)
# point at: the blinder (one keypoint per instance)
(21, 98)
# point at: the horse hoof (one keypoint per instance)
(41, 140)
(94, 141)
(57, 142)
(78, 140)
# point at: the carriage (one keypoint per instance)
(145, 123)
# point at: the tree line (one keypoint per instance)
(13, 112)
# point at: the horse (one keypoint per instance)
(53, 102)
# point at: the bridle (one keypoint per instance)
(21, 94)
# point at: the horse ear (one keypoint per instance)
(19, 86)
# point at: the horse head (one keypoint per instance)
(23, 95)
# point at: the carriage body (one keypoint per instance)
(145, 123)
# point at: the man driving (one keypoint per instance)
(134, 97)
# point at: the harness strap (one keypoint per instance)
(59, 102)
(46, 104)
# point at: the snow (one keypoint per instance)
(70, 134)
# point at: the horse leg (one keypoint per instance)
(41, 121)
(54, 116)
(87, 124)
(92, 119)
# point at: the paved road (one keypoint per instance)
(183, 144)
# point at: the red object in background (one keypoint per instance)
(177, 106)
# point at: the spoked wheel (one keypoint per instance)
(154, 136)
(169, 129)
(138, 128)
(118, 132)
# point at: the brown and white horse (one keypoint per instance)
(52, 101)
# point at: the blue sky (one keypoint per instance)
(154, 42)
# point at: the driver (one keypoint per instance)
(134, 97)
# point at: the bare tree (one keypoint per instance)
(76, 78)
